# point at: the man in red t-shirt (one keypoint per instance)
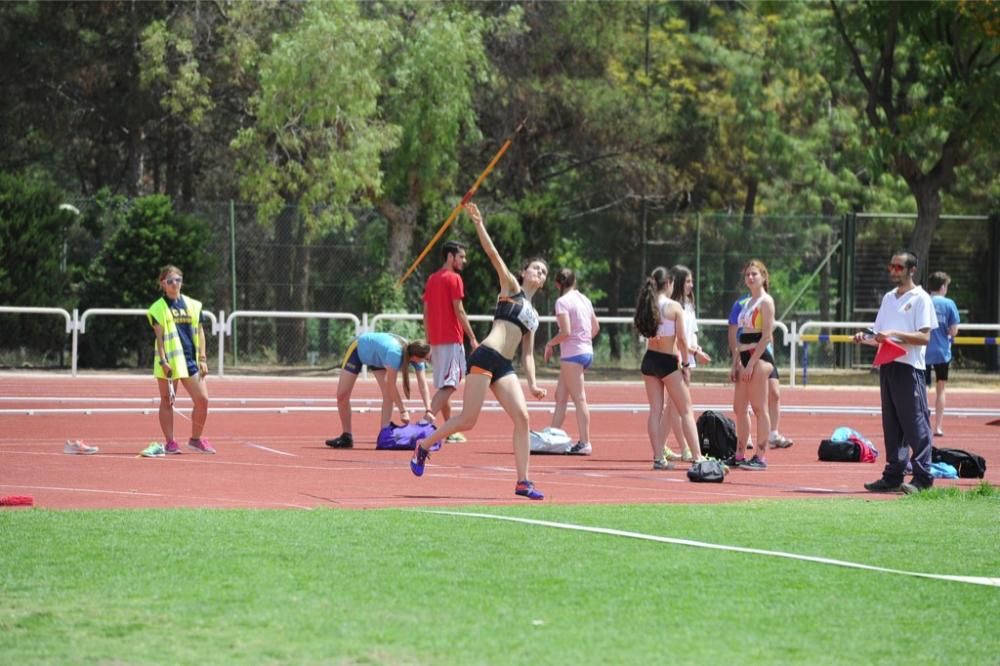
(447, 325)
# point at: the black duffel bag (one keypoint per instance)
(832, 450)
(707, 471)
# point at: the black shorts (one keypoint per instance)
(659, 365)
(940, 369)
(489, 362)
(766, 356)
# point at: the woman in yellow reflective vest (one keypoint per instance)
(180, 355)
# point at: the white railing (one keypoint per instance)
(279, 314)
(222, 326)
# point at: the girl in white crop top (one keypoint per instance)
(666, 328)
(666, 367)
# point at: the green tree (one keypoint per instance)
(314, 141)
(33, 269)
(930, 72)
(142, 236)
(432, 68)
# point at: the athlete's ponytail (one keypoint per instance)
(647, 311)
(418, 349)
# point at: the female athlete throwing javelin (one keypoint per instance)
(490, 365)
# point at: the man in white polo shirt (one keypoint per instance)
(907, 317)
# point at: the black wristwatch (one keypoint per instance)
(685, 365)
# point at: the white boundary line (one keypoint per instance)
(295, 405)
(973, 580)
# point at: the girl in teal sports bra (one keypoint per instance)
(490, 365)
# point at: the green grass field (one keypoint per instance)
(406, 587)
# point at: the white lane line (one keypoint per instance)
(136, 493)
(265, 448)
(288, 404)
(973, 580)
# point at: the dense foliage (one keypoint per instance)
(638, 117)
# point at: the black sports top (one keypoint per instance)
(517, 309)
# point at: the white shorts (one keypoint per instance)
(449, 364)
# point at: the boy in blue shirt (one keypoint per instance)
(939, 347)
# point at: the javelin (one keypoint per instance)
(468, 197)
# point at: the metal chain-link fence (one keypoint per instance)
(287, 266)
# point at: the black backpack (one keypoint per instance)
(717, 434)
(968, 465)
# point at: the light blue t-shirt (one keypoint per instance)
(939, 347)
(383, 350)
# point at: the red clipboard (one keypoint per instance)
(888, 351)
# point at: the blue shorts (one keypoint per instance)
(581, 359)
(489, 362)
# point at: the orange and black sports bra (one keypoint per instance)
(518, 310)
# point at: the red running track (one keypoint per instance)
(270, 432)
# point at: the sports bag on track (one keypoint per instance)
(968, 465)
(707, 471)
(402, 438)
(717, 434)
(833, 450)
(550, 440)
(847, 445)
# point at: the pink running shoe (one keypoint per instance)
(172, 447)
(76, 447)
(200, 445)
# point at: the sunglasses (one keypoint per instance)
(174, 281)
(895, 268)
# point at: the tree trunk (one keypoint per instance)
(289, 272)
(172, 186)
(614, 303)
(825, 275)
(402, 225)
(928, 215)
(750, 204)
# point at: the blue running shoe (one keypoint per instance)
(527, 489)
(420, 456)
(755, 464)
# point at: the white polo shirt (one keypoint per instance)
(907, 313)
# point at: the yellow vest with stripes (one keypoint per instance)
(159, 313)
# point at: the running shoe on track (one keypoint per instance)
(527, 489)
(756, 464)
(456, 438)
(663, 465)
(75, 447)
(345, 441)
(172, 447)
(200, 445)
(881, 486)
(419, 459)
(154, 450)
(779, 441)
(581, 449)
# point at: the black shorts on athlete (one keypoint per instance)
(940, 369)
(489, 362)
(659, 365)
